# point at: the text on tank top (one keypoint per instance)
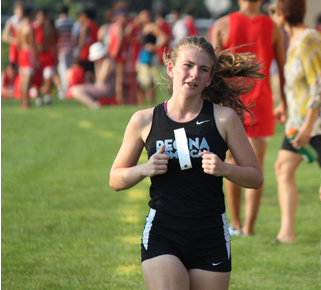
(190, 192)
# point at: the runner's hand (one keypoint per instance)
(212, 164)
(157, 164)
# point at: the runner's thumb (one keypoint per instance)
(161, 150)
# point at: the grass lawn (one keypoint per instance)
(64, 228)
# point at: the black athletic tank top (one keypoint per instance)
(187, 193)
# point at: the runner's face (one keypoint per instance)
(191, 73)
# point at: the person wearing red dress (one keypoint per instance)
(260, 36)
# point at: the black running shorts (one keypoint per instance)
(198, 243)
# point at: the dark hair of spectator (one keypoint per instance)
(293, 10)
(162, 12)
(190, 9)
(27, 10)
(108, 16)
(12, 65)
(90, 12)
(64, 9)
(319, 19)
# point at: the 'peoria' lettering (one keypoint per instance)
(195, 147)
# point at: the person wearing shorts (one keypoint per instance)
(153, 38)
(248, 30)
(303, 95)
(186, 243)
(27, 61)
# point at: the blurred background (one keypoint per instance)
(206, 10)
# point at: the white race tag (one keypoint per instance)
(182, 149)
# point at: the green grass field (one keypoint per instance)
(63, 227)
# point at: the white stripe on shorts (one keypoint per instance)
(226, 235)
(148, 227)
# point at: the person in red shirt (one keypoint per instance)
(75, 76)
(8, 77)
(262, 37)
(88, 36)
(132, 32)
(46, 40)
(118, 46)
(9, 34)
(167, 29)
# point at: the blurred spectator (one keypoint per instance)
(9, 32)
(303, 95)
(103, 32)
(167, 29)
(318, 23)
(248, 30)
(118, 46)
(185, 26)
(75, 34)
(104, 87)
(46, 40)
(131, 85)
(153, 38)
(8, 78)
(75, 76)
(88, 36)
(64, 26)
(27, 58)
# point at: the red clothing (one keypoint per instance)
(13, 53)
(8, 83)
(209, 33)
(134, 45)
(166, 28)
(258, 33)
(13, 48)
(26, 59)
(190, 25)
(121, 56)
(76, 78)
(46, 58)
(91, 38)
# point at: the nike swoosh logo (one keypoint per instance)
(216, 264)
(201, 122)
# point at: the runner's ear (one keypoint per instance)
(169, 69)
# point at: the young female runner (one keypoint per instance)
(186, 243)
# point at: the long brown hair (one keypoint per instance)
(228, 71)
